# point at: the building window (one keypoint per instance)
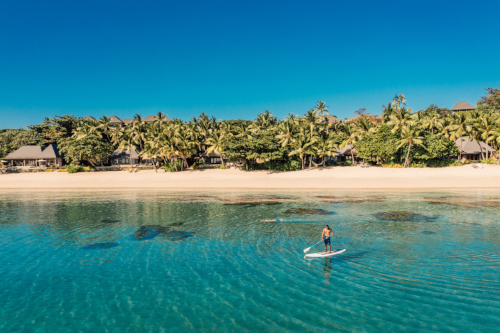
(215, 160)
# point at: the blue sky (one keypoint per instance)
(234, 59)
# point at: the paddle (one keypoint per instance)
(306, 250)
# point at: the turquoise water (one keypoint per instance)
(159, 261)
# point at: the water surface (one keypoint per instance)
(161, 261)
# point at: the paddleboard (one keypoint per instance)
(324, 254)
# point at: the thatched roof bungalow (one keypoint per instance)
(471, 149)
(462, 106)
(35, 156)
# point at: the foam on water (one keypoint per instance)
(133, 262)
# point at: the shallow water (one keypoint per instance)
(153, 261)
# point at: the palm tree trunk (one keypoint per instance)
(352, 156)
(407, 155)
(460, 152)
(130, 155)
(310, 159)
(221, 160)
(324, 160)
(481, 148)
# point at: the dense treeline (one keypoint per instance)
(398, 135)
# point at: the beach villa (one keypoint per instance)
(462, 106)
(35, 156)
(119, 157)
(471, 150)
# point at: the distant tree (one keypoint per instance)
(91, 148)
(491, 100)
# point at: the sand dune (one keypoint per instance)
(321, 178)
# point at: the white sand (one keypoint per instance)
(331, 178)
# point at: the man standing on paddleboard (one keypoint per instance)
(326, 235)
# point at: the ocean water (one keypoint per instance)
(165, 261)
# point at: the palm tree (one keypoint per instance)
(302, 146)
(458, 127)
(431, 121)
(138, 130)
(287, 131)
(486, 127)
(105, 126)
(216, 142)
(349, 135)
(185, 146)
(399, 101)
(365, 126)
(399, 119)
(324, 146)
(127, 143)
(321, 110)
(311, 119)
(85, 130)
(410, 136)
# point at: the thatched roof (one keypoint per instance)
(471, 146)
(118, 153)
(462, 106)
(51, 151)
(212, 154)
(332, 119)
(115, 120)
(34, 152)
(347, 150)
(90, 118)
(356, 117)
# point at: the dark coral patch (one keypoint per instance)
(151, 231)
(100, 246)
(459, 201)
(402, 216)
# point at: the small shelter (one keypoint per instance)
(462, 106)
(347, 152)
(35, 156)
(212, 158)
(119, 157)
(471, 149)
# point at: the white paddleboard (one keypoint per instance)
(324, 254)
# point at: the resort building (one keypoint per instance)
(345, 153)
(462, 106)
(34, 156)
(212, 158)
(119, 157)
(471, 149)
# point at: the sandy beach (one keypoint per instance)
(321, 178)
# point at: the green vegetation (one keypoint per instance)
(398, 138)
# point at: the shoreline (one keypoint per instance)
(330, 178)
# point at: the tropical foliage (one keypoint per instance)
(398, 138)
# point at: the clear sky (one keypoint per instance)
(234, 59)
